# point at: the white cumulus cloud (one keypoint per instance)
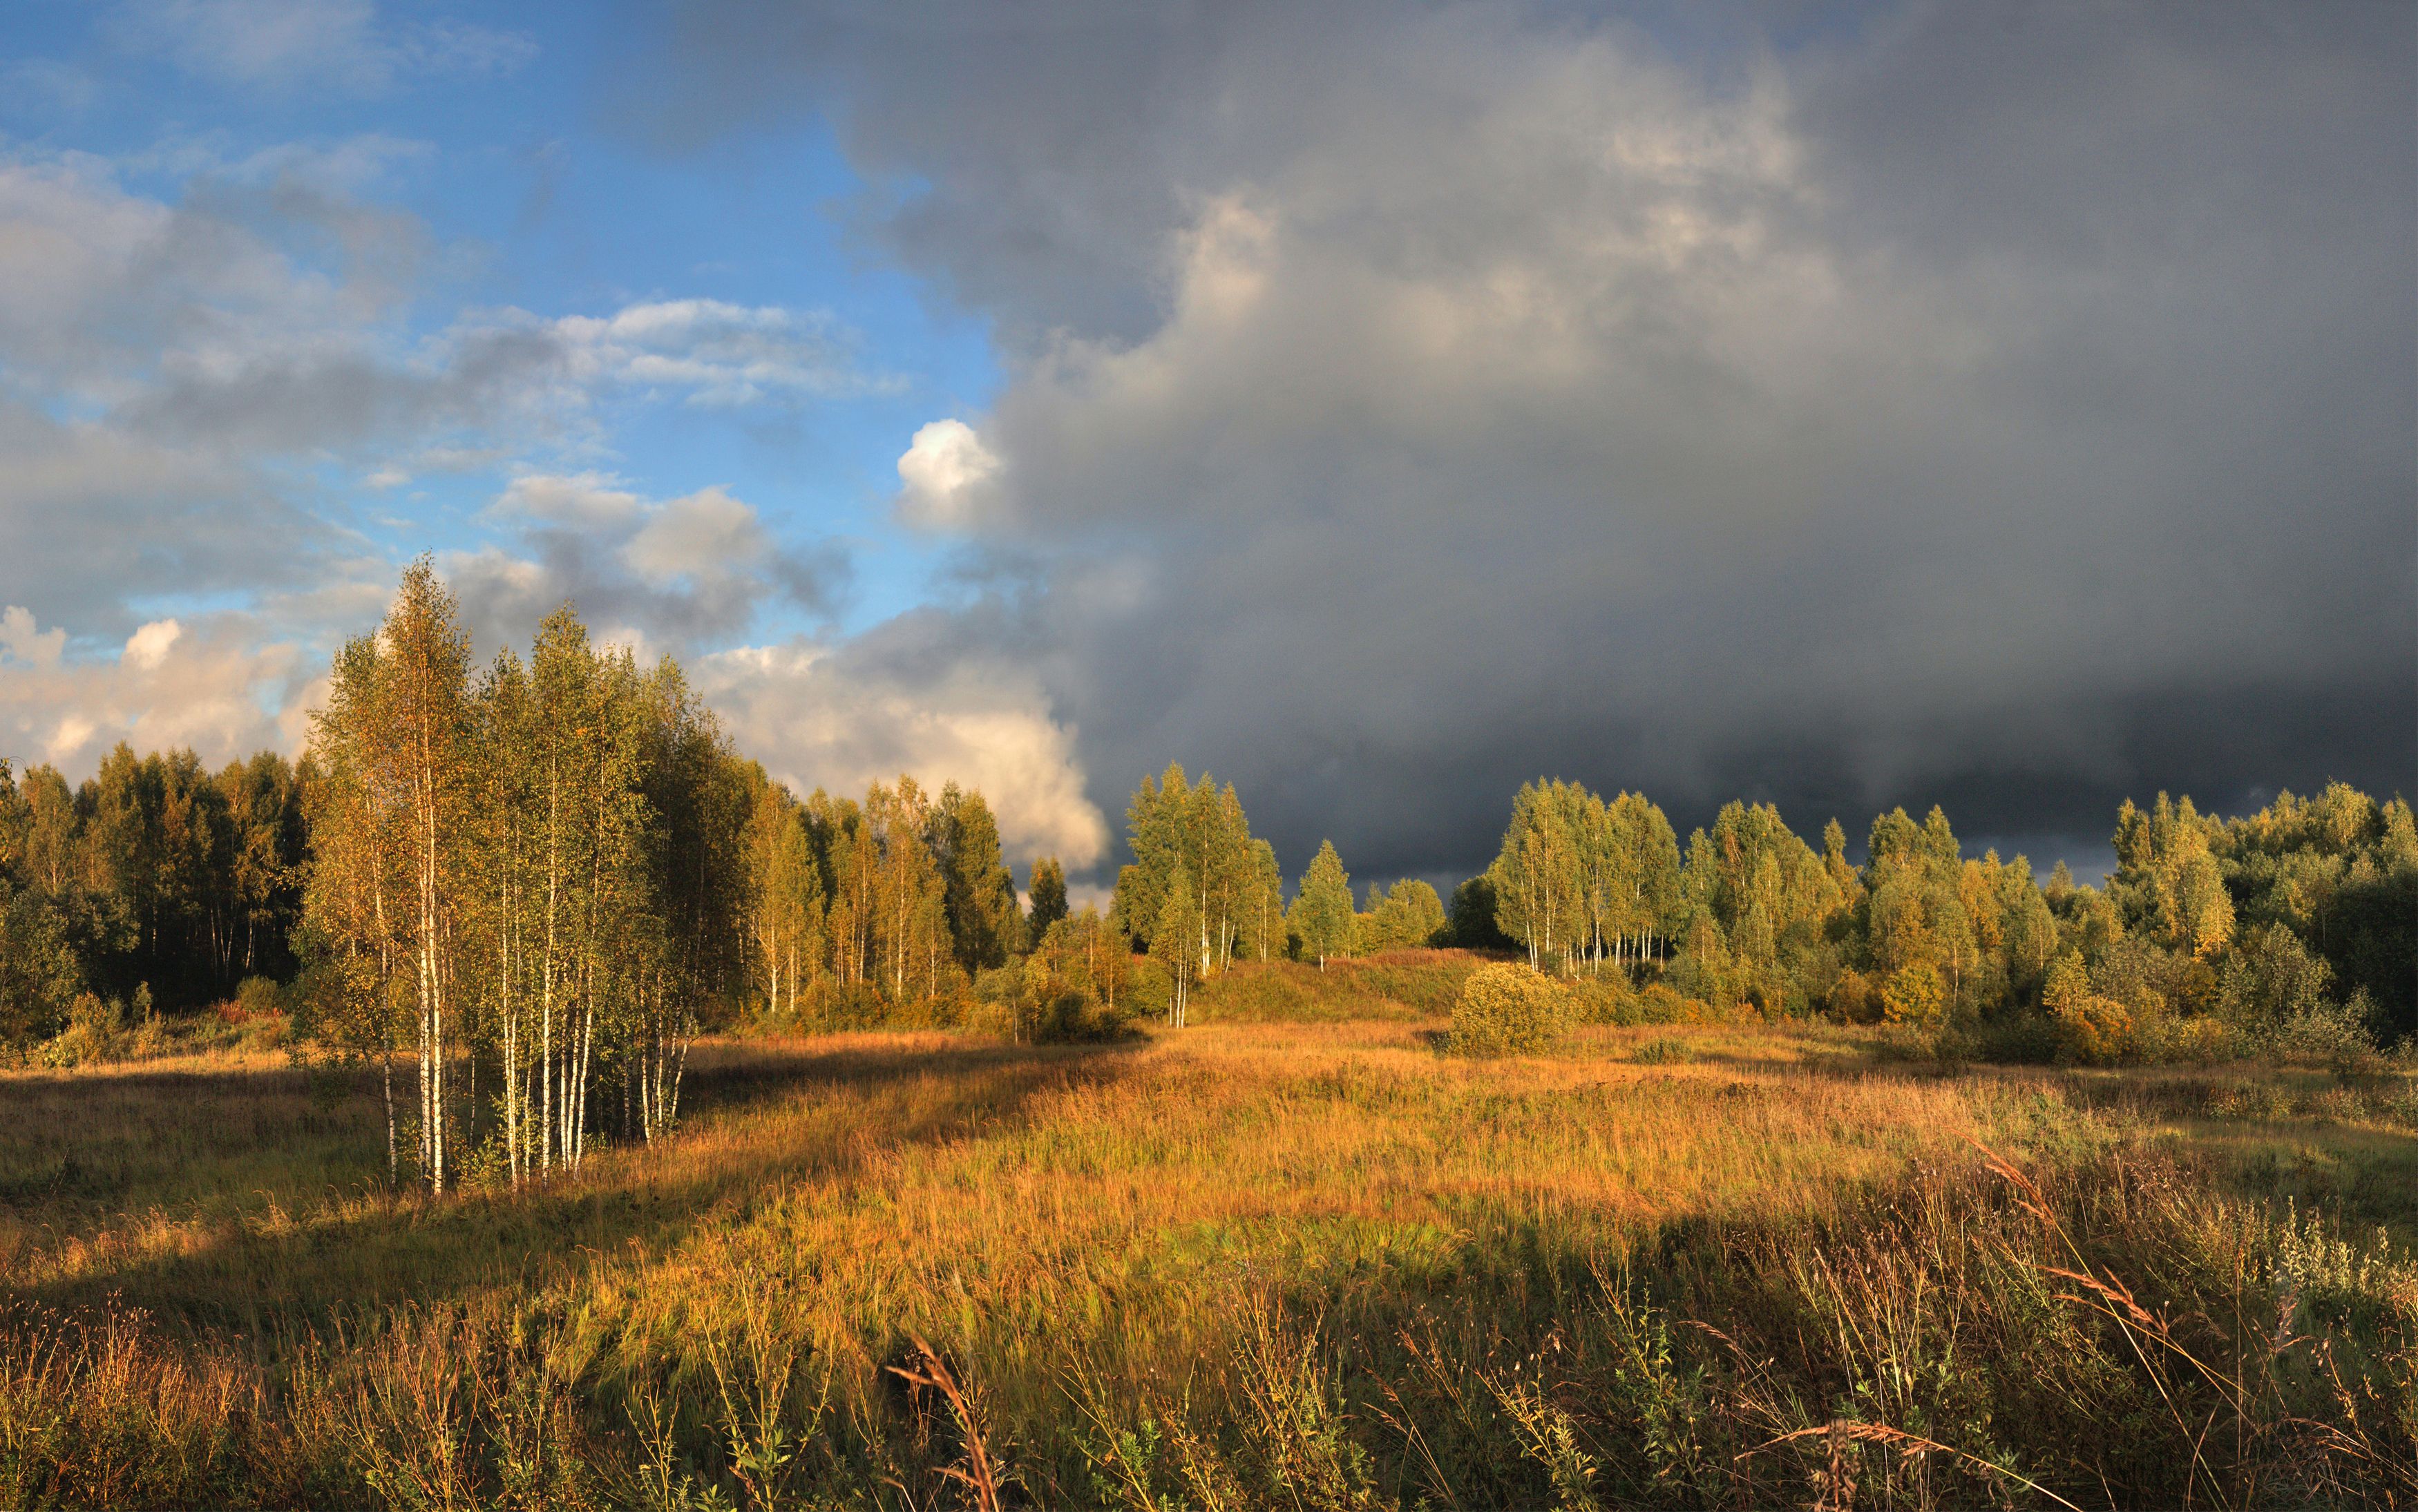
(220, 686)
(842, 718)
(149, 646)
(945, 477)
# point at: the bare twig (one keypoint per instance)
(979, 1474)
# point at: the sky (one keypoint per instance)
(2011, 407)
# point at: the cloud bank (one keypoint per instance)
(2007, 408)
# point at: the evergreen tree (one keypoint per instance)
(980, 893)
(1047, 887)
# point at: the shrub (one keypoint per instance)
(1661, 1003)
(1853, 999)
(2203, 1039)
(1915, 996)
(1078, 1018)
(2327, 1031)
(2021, 1038)
(258, 998)
(1507, 1010)
(1606, 1001)
(1663, 1050)
(2262, 1100)
(96, 1027)
(2094, 1031)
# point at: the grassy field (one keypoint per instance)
(1291, 1257)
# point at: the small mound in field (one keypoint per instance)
(1507, 1010)
(1395, 985)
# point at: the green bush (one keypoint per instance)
(1605, 999)
(2326, 1031)
(1507, 1010)
(96, 1031)
(257, 997)
(1078, 1018)
(1663, 1052)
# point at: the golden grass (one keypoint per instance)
(1158, 1269)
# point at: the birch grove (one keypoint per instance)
(1197, 874)
(535, 872)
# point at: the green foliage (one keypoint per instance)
(984, 922)
(1175, 940)
(258, 998)
(40, 972)
(2340, 872)
(1048, 888)
(1472, 922)
(1408, 916)
(1321, 913)
(1202, 831)
(2166, 883)
(1075, 985)
(1915, 996)
(154, 870)
(1507, 1010)
(1580, 880)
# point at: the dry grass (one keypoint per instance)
(1258, 1263)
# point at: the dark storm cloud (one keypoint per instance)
(2008, 407)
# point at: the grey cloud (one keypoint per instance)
(680, 575)
(90, 519)
(208, 684)
(2003, 405)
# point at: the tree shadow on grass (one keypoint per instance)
(283, 1264)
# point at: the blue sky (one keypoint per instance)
(492, 128)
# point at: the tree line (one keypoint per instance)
(2297, 923)
(152, 881)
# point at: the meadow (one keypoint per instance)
(1291, 1256)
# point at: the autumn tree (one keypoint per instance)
(1260, 916)
(786, 907)
(1539, 875)
(1322, 908)
(1200, 830)
(1175, 941)
(1406, 915)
